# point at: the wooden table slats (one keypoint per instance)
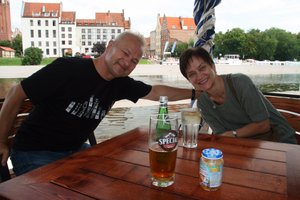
(119, 169)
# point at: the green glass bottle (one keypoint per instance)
(163, 125)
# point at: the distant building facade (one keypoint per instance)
(7, 52)
(5, 21)
(172, 29)
(59, 33)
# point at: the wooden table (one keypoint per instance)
(119, 169)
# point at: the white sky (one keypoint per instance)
(245, 14)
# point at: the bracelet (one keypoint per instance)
(234, 133)
(193, 94)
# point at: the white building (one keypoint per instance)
(58, 33)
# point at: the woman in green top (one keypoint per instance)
(231, 104)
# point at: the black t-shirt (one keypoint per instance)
(70, 99)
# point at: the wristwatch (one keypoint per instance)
(234, 133)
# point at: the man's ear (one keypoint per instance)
(110, 43)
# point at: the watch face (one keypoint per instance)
(234, 133)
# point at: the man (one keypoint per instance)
(71, 97)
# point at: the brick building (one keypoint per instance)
(171, 29)
(5, 21)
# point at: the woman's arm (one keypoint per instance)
(249, 130)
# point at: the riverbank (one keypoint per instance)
(167, 70)
(163, 70)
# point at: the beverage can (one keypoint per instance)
(211, 169)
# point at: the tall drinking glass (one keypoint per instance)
(163, 143)
(191, 124)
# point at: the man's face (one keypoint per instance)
(200, 74)
(123, 56)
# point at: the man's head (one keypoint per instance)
(123, 54)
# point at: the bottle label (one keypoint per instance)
(168, 142)
(211, 175)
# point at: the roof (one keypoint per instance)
(106, 19)
(6, 48)
(178, 23)
(47, 10)
(68, 17)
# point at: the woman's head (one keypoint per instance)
(188, 54)
(197, 66)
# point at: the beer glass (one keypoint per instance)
(163, 143)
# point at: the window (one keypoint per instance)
(47, 33)
(83, 30)
(104, 37)
(62, 29)
(70, 35)
(89, 43)
(31, 22)
(39, 22)
(54, 23)
(98, 37)
(83, 43)
(47, 51)
(104, 31)
(89, 30)
(54, 43)
(63, 35)
(39, 33)
(83, 37)
(89, 37)
(70, 29)
(46, 23)
(70, 42)
(40, 43)
(98, 30)
(54, 33)
(112, 30)
(47, 44)
(63, 42)
(113, 37)
(32, 44)
(31, 33)
(119, 30)
(54, 51)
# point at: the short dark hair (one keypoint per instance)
(189, 53)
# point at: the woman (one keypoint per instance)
(231, 104)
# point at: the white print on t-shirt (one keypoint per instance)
(88, 109)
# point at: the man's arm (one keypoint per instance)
(174, 94)
(8, 113)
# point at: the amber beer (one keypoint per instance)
(162, 163)
(163, 145)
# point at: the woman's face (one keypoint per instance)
(200, 74)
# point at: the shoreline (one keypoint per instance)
(163, 70)
(167, 70)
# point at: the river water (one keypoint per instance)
(122, 119)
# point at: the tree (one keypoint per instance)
(32, 56)
(99, 47)
(5, 43)
(180, 47)
(17, 45)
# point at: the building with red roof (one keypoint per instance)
(59, 33)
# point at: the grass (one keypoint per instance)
(45, 61)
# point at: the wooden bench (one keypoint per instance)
(25, 109)
(289, 107)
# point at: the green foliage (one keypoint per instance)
(99, 48)
(10, 61)
(272, 44)
(5, 43)
(32, 56)
(17, 45)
